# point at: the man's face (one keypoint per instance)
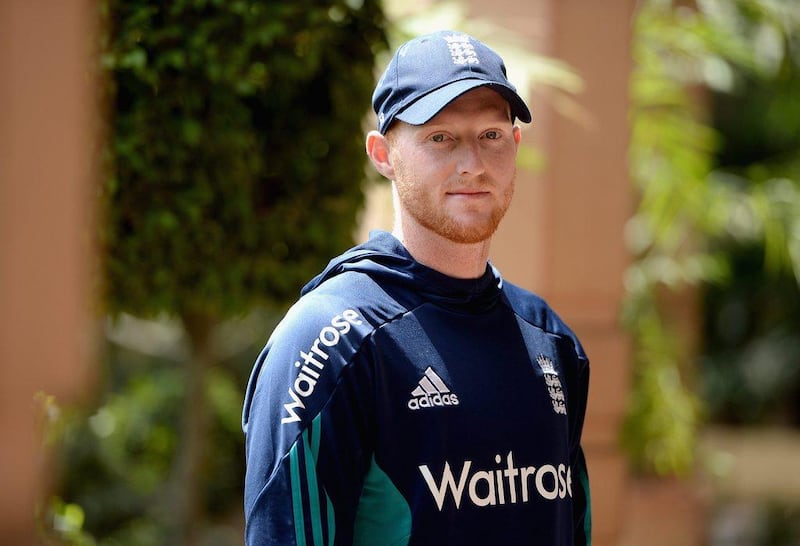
(455, 174)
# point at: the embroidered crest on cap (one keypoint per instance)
(461, 49)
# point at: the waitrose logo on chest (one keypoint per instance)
(505, 484)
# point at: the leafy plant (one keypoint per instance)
(688, 206)
(234, 162)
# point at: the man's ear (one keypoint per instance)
(378, 152)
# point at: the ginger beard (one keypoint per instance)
(468, 225)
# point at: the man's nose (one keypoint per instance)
(470, 161)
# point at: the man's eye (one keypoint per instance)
(437, 138)
(492, 135)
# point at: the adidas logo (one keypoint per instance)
(431, 392)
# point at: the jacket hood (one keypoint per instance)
(384, 258)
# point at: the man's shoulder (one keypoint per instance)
(349, 296)
(300, 366)
(534, 310)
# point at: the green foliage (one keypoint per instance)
(234, 160)
(751, 369)
(119, 456)
(663, 413)
(689, 206)
(751, 372)
(67, 520)
(120, 451)
(235, 154)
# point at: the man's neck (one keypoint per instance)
(461, 261)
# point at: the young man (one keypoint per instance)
(411, 396)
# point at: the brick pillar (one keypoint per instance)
(563, 237)
(46, 152)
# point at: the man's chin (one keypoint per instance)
(468, 235)
(465, 230)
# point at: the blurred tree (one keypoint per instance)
(235, 160)
(751, 367)
(692, 213)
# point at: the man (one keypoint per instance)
(411, 396)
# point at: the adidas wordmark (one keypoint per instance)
(431, 392)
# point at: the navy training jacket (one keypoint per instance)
(397, 405)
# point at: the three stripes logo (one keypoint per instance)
(431, 392)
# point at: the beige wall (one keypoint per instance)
(563, 237)
(45, 230)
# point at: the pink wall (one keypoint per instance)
(46, 121)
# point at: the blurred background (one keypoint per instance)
(172, 173)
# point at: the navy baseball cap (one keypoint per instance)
(429, 72)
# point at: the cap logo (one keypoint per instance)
(461, 50)
(428, 72)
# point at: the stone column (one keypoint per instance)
(47, 125)
(563, 237)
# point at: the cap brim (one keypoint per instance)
(425, 108)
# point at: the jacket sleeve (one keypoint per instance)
(581, 494)
(306, 426)
(582, 502)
